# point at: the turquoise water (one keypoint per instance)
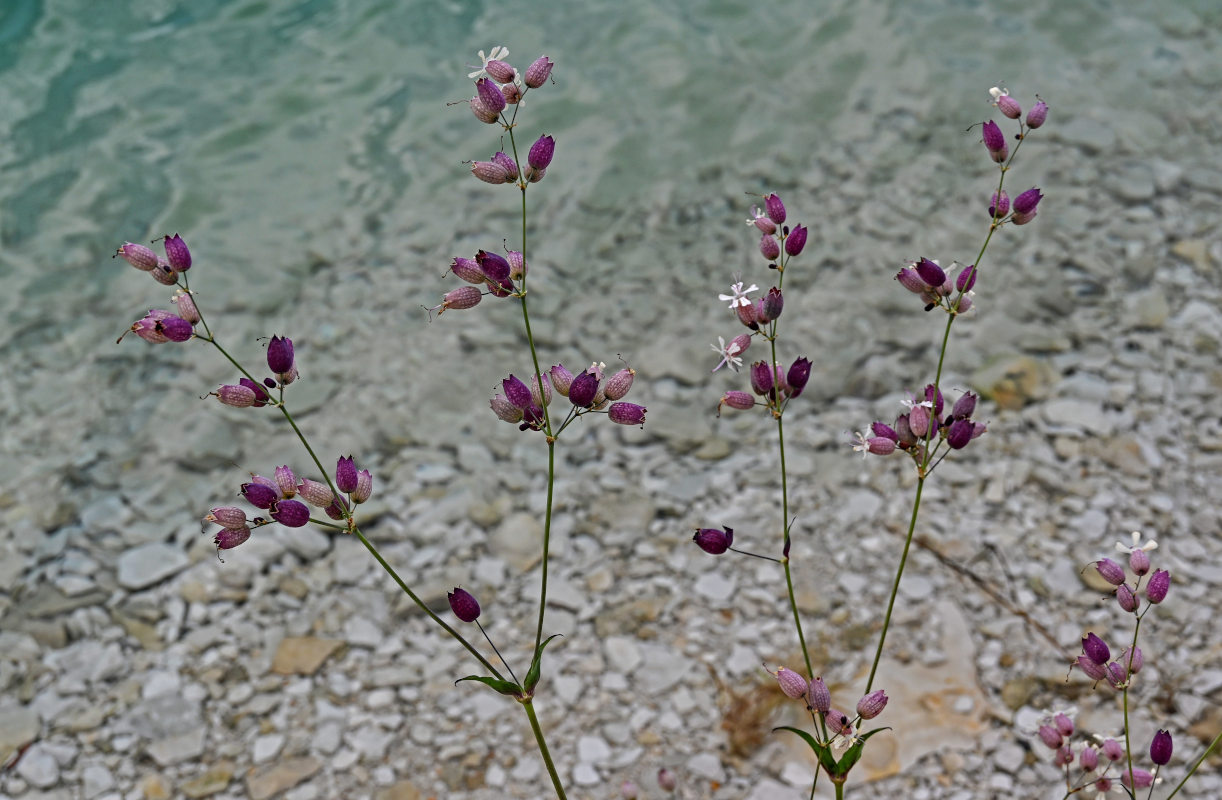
(306, 152)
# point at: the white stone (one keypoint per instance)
(148, 564)
(266, 747)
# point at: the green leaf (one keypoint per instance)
(532, 676)
(853, 754)
(822, 751)
(504, 687)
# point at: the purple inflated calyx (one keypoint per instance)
(798, 376)
(930, 273)
(482, 112)
(796, 240)
(492, 172)
(262, 398)
(959, 433)
(537, 73)
(1157, 587)
(1025, 205)
(1094, 671)
(999, 205)
(511, 166)
(774, 303)
(626, 414)
(315, 493)
(1037, 115)
(259, 495)
(517, 392)
(290, 513)
(139, 256)
(820, 697)
(770, 248)
(1139, 562)
(775, 208)
(177, 254)
(463, 604)
(792, 684)
(1064, 724)
(466, 269)
(966, 279)
(911, 280)
(280, 355)
(517, 265)
(495, 266)
(499, 71)
(1160, 748)
(964, 406)
(175, 329)
(583, 389)
(1050, 736)
(505, 410)
(364, 486)
(1111, 572)
(1008, 106)
(619, 384)
(737, 400)
(762, 377)
(227, 517)
(229, 538)
(1133, 664)
(345, 474)
(995, 141)
(561, 379)
(490, 95)
(541, 152)
(714, 541)
(872, 704)
(1096, 649)
(286, 481)
(236, 396)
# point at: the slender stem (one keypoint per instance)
(547, 537)
(528, 704)
(422, 606)
(498, 653)
(1127, 677)
(895, 586)
(1195, 765)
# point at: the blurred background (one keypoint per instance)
(309, 155)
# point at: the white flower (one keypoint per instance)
(499, 53)
(1148, 546)
(911, 403)
(739, 296)
(755, 214)
(995, 93)
(729, 354)
(861, 444)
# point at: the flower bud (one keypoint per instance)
(1134, 664)
(1096, 649)
(798, 376)
(775, 208)
(995, 141)
(259, 495)
(537, 73)
(315, 493)
(1138, 779)
(762, 377)
(541, 152)
(1008, 106)
(872, 704)
(959, 433)
(495, 266)
(1160, 748)
(540, 398)
(139, 256)
(918, 421)
(463, 604)
(1089, 759)
(286, 481)
(769, 247)
(911, 281)
(737, 400)
(1024, 206)
(1111, 572)
(561, 379)
(820, 698)
(583, 390)
(796, 240)
(1064, 756)
(505, 410)
(336, 510)
(1094, 671)
(177, 254)
(1050, 736)
(517, 392)
(280, 356)
(619, 383)
(1158, 585)
(1063, 724)
(460, 298)
(175, 329)
(364, 486)
(791, 683)
(929, 272)
(227, 517)
(626, 414)
(467, 270)
(774, 303)
(517, 265)
(499, 71)
(964, 407)
(164, 275)
(229, 538)
(186, 306)
(1126, 598)
(291, 513)
(713, 541)
(746, 315)
(345, 474)
(838, 722)
(966, 279)
(1112, 749)
(999, 205)
(236, 396)
(490, 95)
(491, 172)
(1037, 115)
(482, 112)
(511, 166)
(1117, 676)
(1139, 562)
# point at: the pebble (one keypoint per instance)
(149, 564)
(39, 767)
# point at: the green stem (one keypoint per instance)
(421, 604)
(528, 704)
(1195, 765)
(895, 586)
(547, 536)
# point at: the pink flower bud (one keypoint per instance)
(872, 704)
(561, 379)
(995, 141)
(491, 172)
(538, 72)
(1126, 598)
(791, 683)
(1008, 106)
(466, 269)
(500, 71)
(626, 414)
(541, 152)
(236, 396)
(1111, 572)
(796, 240)
(460, 298)
(364, 486)
(315, 493)
(1050, 736)
(227, 517)
(511, 166)
(505, 410)
(769, 247)
(517, 265)
(999, 205)
(1063, 724)
(186, 307)
(1037, 115)
(490, 95)
(775, 208)
(463, 604)
(482, 112)
(290, 513)
(139, 256)
(1139, 562)
(619, 384)
(1157, 587)
(819, 696)
(164, 275)
(229, 538)
(1089, 759)
(737, 400)
(177, 254)
(713, 541)
(1113, 750)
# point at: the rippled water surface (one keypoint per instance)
(306, 152)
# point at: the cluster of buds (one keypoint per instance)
(160, 326)
(1099, 765)
(775, 385)
(998, 149)
(1156, 587)
(501, 168)
(927, 280)
(247, 393)
(589, 391)
(818, 698)
(497, 275)
(498, 84)
(923, 423)
(775, 236)
(282, 496)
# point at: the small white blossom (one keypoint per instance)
(1148, 546)
(729, 354)
(755, 214)
(739, 294)
(498, 53)
(997, 92)
(911, 402)
(861, 444)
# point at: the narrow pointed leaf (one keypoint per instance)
(504, 687)
(822, 751)
(532, 676)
